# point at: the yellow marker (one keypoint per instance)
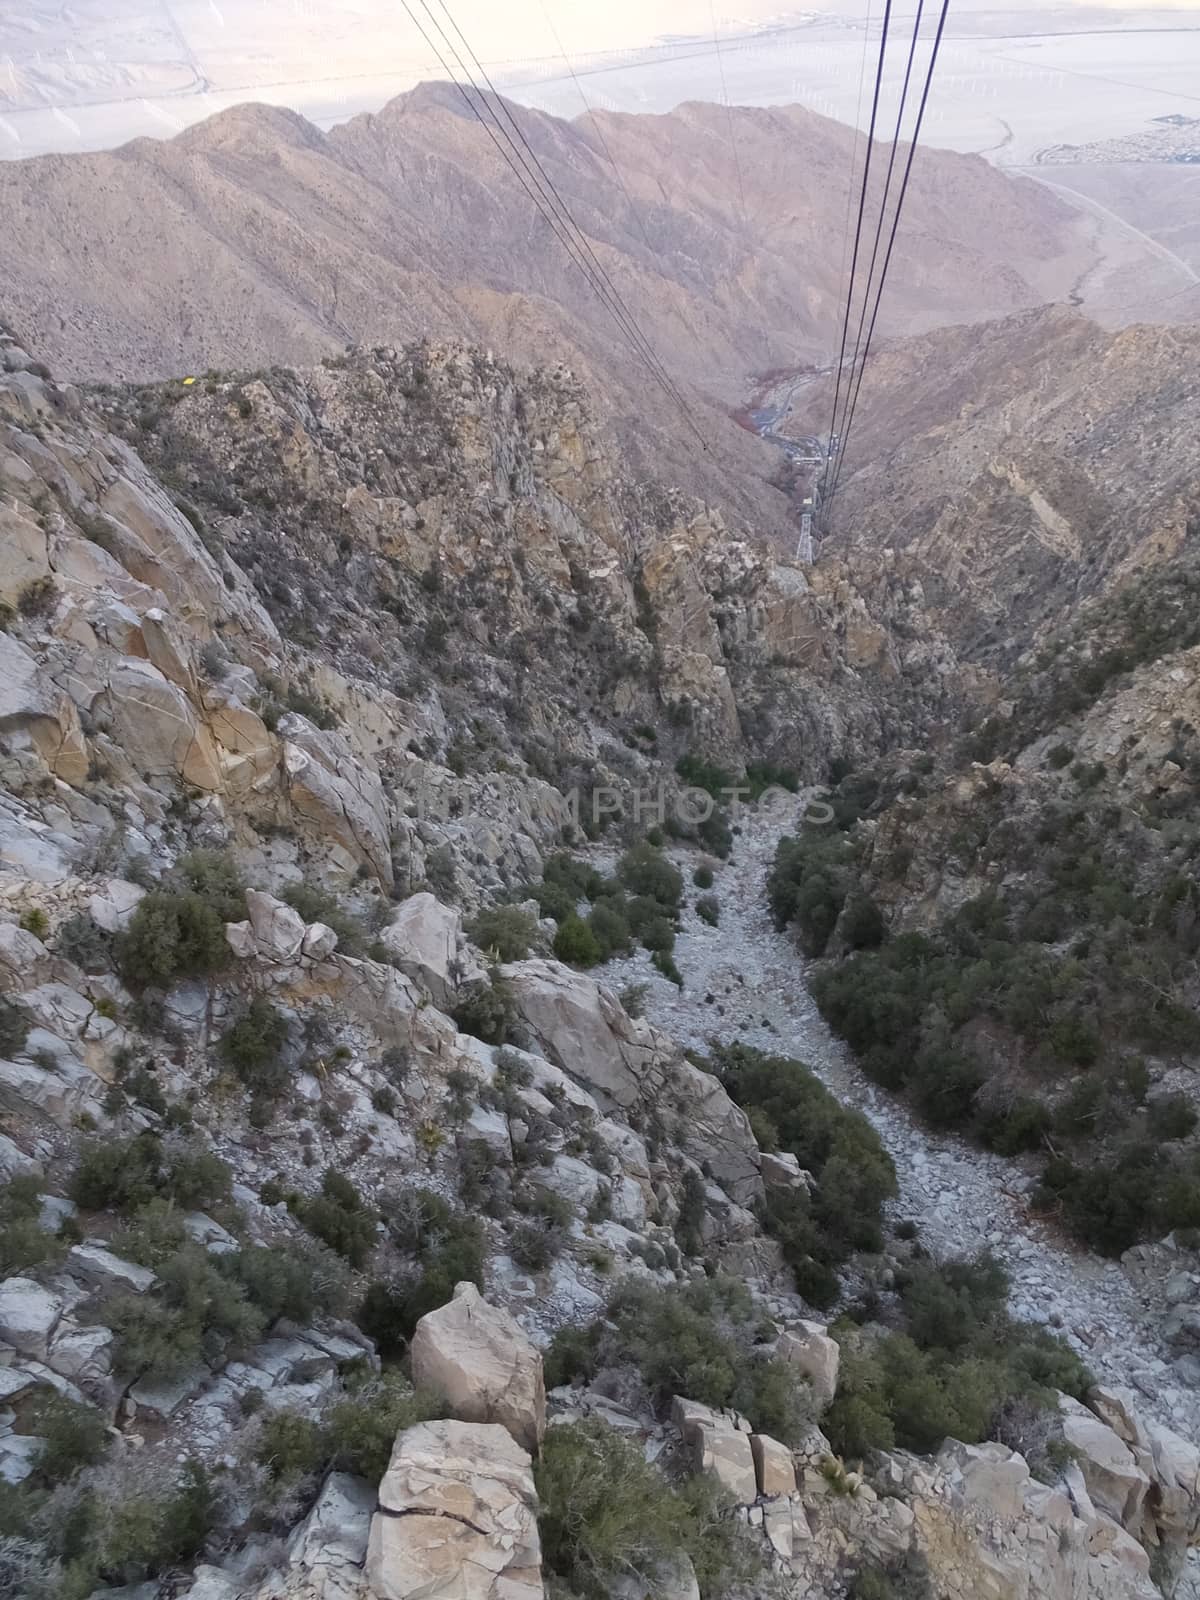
(186, 381)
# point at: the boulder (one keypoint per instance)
(278, 930)
(720, 1448)
(29, 1315)
(987, 1475)
(773, 1465)
(807, 1345)
(457, 1517)
(82, 1354)
(104, 1270)
(478, 1358)
(336, 1530)
(1114, 1480)
(426, 941)
(156, 726)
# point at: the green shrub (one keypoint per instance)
(961, 1363)
(340, 1219)
(854, 1174)
(15, 1023)
(252, 1047)
(665, 963)
(290, 1446)
(607, 1518)
(708, 909)
(862, 925)
(197, 1313)
(124, 1175)
(506, 932)
(362, 1427)
(488, 1011)
(74, 1436)
(696, 1340)
(172, 936)
(314, 904)
(608, 923)
(23, 1241)
(575, 943)
(646, 872)
(703, 877)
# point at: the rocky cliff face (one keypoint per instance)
(271, 241)
(298, 669)
(1022, 468)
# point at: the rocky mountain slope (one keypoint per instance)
(255, 238)
(1021, 467)
(326, 1152)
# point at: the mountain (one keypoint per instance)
(1020, 467)
(254, 239)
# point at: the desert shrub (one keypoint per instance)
(708, 909)
(75, 1436)
(646, 872)
(534, 1245)
(339, 1218)
(38, 597)
(608, 1517)
(608, 923)
(575, 943)
(703, 877)
(506, 932)
(838, 1145)
(197, 1313)
(633, 999)
(487, 1012)
(15, 1023)
(252, 1047)
(315, 904)
(129, 1527)
(124, 1175)
(172, 935)
(696, 1340)
(24, 1242)
(213, 875)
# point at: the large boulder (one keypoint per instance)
(1114, 1480)
(29, 1315)
(808, 1347)
(457, 1517)
(426, 941)
(720, 1446)
(477, 1357)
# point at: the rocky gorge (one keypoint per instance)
(353, 1197)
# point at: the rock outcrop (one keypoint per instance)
(457, 1517)
(477, 1357)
